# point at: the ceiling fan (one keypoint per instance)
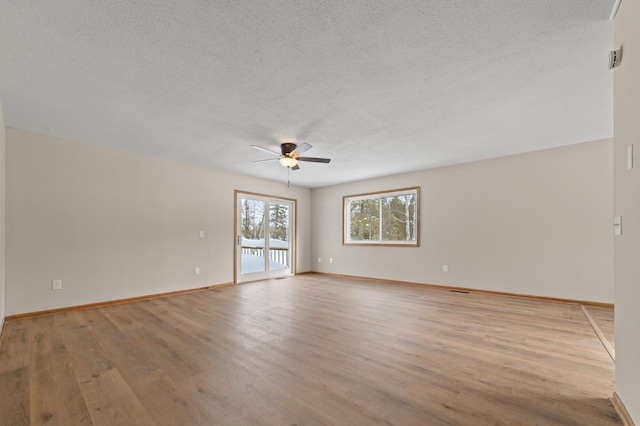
(290, 155)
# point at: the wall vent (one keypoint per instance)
(615, 57)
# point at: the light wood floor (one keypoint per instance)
(310, 350)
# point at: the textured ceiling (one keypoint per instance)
(381, 87)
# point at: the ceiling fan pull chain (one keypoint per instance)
(288, 177)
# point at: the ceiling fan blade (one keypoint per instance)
(314, 159)
(266, 150)
(296, 167)
(268, 159)
(301, 149)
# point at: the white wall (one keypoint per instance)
(3, 187)
(538, 224)
(113, 225)
(627, 204)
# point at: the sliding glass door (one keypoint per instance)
(264, 237)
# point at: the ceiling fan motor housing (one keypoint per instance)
(287, 147)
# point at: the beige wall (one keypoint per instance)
(3, 187)
(114, 225)
(538, 224)
(627, 204)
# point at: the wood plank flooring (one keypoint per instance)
(310, 350)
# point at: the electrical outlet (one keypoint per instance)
(445, 268)
(56, 285)
(196, 271)
(201, 234)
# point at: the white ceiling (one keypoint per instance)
(379, 86)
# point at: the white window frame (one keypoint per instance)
(346, 218)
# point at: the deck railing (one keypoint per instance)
(276, 254)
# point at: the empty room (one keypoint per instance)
(319, 213)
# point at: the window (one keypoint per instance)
(382, 218)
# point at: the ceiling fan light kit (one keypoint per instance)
(288, 162)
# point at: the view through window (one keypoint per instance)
(382, 218)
